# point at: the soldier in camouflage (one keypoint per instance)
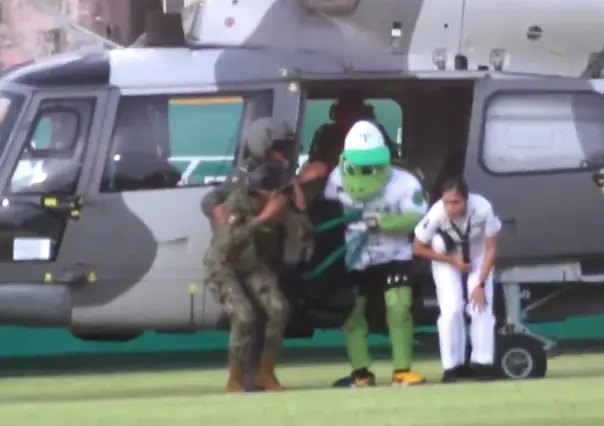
(245, 212)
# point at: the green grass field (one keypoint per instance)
(572, 395)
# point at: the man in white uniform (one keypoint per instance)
(459, 236)
(390, 203)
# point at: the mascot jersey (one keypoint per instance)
(401, 194)
(392, 203)
(365, 181)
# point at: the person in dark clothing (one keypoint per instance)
(328, 140)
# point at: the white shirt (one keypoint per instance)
(399, 195)
(480, 216)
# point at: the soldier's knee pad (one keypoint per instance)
(277, 309)
(245, 315)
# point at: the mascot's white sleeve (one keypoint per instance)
(412, 200)
(407, 192)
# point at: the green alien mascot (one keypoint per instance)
(378, 248)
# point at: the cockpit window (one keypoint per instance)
(56, 130)
(51, 155)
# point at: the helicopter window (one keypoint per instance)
(191, 142)
(56, 130)
(51, 156)
(217, 118)
(544, 132)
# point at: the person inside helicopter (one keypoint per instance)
(328, 141)
(48, 161)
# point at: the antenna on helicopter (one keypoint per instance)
(595, 65)
(396, 35)
(497, 59)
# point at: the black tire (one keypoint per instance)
(519, 356)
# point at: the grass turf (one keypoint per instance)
(572, 395)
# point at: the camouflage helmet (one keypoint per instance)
(263, 134)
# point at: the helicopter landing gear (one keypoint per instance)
(519, 356)
(520, 353)
(515, 313)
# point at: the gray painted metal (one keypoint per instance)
(153, 278)
(35, 304)
(545, 227)
(473, 28)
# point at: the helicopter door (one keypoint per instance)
(535, 149)
(145, 218)
(43, 177)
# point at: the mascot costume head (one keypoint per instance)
(365, 162)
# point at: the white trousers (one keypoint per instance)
(451, 324)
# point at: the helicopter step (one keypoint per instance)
(35, 304)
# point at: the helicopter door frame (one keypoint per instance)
(527, 235)
(86, 136)
(160, 222)
(285, 106)
(252, 110)
(30, 115)
(25, 93)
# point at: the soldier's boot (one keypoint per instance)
(266, 378)
(235, 382)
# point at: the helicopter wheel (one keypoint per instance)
(519, 357)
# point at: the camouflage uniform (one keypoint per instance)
(299, 238)
(238, 263)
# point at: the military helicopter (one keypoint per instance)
(101, 235)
